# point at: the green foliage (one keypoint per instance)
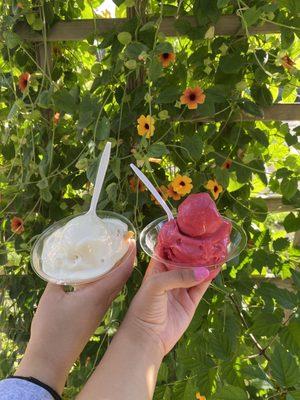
(244, 340)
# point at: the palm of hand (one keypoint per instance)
(167, 314)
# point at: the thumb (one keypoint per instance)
(181, 278)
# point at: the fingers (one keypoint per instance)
(108, 287)
(182, 278)
(154, 267)
(197, 292)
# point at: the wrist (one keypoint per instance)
(145, 341)
(38, 365)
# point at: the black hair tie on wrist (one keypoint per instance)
(31, 379)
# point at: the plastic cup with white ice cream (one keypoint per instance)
(83, 248)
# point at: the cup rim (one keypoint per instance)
(74, 282)
(175, 265)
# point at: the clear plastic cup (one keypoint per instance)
(37, 249)
(148, 240)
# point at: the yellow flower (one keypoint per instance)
(146, 126)
(182, 184)
(214, 187)
(199, 397)
(171, 193)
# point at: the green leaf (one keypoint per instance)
(164, 47)
(168, 95)
(260, 208)
(293, 395)
(296, 278)
(157, 150)
(290, 336)
(284, 368)
(283, 297)
(115, 165)
(261, 95)
(291, 223)
(250, 108)
(230, 392)
(194, 145)
(103, 129)
(45, 99)
(222, 176)
(155, 69)
(12, 40)
(260, 136)
(223, 3)
(281, 244)
(112, 192)
(231, 63)
(266, 324)
(46, 194)
(124, 38)
(251, 16)
(289, 187)
(134, 49)
(64, 101)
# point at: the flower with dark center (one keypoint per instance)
(24, 81)
(146, 126)
(192, 97)
(166, 59)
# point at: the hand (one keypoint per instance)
(166, 302)
(64, 322)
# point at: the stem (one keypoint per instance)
(262, 351)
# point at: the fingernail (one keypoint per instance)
(201, 273)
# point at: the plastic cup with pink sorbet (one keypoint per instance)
(199, 236)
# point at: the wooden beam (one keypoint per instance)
(277, 112)
(83, 28)
(275, 205)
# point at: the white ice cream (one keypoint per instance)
(84, 248)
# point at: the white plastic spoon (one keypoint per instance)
(100, 178)
(152, 189)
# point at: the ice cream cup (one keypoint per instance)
(148, 240)
(37, 249)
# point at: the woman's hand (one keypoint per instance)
(158, 316)
(64, 322)
(166, 302)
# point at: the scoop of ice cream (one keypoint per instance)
(198, 237)
(198, 215)
(85, 247)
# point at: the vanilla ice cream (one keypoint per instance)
(84, 248)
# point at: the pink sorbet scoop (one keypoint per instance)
(198, 237)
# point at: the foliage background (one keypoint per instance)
(45, 170)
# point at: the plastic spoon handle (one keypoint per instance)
(100, 177)
(152, 189)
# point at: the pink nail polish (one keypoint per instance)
(201, 274)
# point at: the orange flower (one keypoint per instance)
(166, 59)
(226, 164)
(24, 81)
(192, 97)
(199, 397)
(17, 225)
(163, 191)
(287, 62)
(146, 126)
(135, 184)
(171, 193)
(214, 187)
(182, 184)
(56, 118)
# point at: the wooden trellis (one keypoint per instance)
(226, 25)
